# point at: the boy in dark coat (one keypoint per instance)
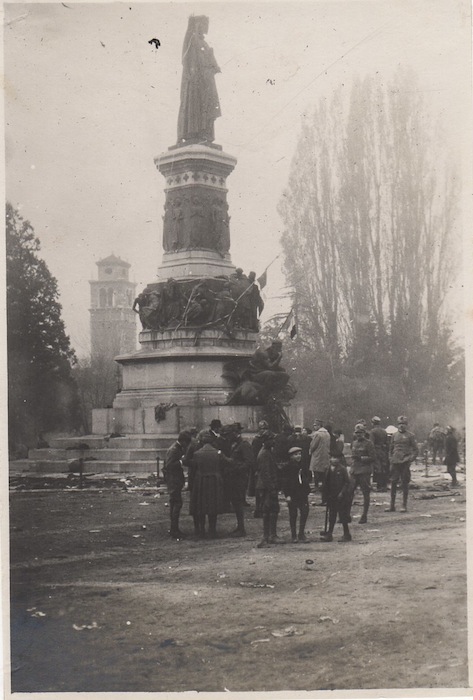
(296, 487)
(338, 493)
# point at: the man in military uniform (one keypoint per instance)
(174, 478)
(267, 482)
(256, 445)
(379, 438)
(364, 457)
(402, 452)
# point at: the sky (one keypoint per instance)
(89, 104)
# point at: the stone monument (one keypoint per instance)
(198, 358)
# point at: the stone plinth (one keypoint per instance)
(142, 421)
(183, 366)
(189, 264)
(191, 341)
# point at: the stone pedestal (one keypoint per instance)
(182, 371)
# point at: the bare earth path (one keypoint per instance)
(101, 603)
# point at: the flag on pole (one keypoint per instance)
(290, 323)
(263, 279)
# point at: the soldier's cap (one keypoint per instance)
(449, 429)
(402, 419)
(294, 451)
(376, 419)
(263, 425)
(298, 428)
(360, 428)
(318, 420)
(215, 423)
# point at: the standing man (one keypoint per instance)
(207, 488)
(267, 482)
(364, 457)
(319, 455)
(296, 488)
(215, 428)
(174, 478)
(451, 454)
(402, 452)
(237, 468)
(379, 438)
(256, 445)
(436, 442)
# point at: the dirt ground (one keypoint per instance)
(103, 600)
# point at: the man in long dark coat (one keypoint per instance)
(237, 468)
(207, 485)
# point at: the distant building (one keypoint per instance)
(112, 321)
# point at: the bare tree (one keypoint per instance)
(369, 215)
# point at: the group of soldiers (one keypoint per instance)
(223, 469)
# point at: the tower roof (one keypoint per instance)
(113, 260)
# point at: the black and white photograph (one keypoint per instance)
(238, 239)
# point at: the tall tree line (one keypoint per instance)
(41, 392)
(369, 245)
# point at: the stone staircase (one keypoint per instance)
(131, 454)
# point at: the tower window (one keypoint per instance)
(102, 297)
(110, 297)
(108, 270)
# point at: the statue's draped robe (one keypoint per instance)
(199, 99)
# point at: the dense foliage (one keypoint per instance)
(41, 392)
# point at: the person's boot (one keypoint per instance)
(405, 492)
(273, 536)
(258, 513)
(175, 533)
(292, 523)
(366, 505)
(346, 534)
(302, 522)
(392, 508)
(326, 537)
(239, 531)
(266, 530)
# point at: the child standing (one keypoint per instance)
(338, 490)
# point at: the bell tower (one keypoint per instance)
(112, 320)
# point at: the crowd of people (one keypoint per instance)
(223, 469)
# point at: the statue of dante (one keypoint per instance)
(199, 99)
